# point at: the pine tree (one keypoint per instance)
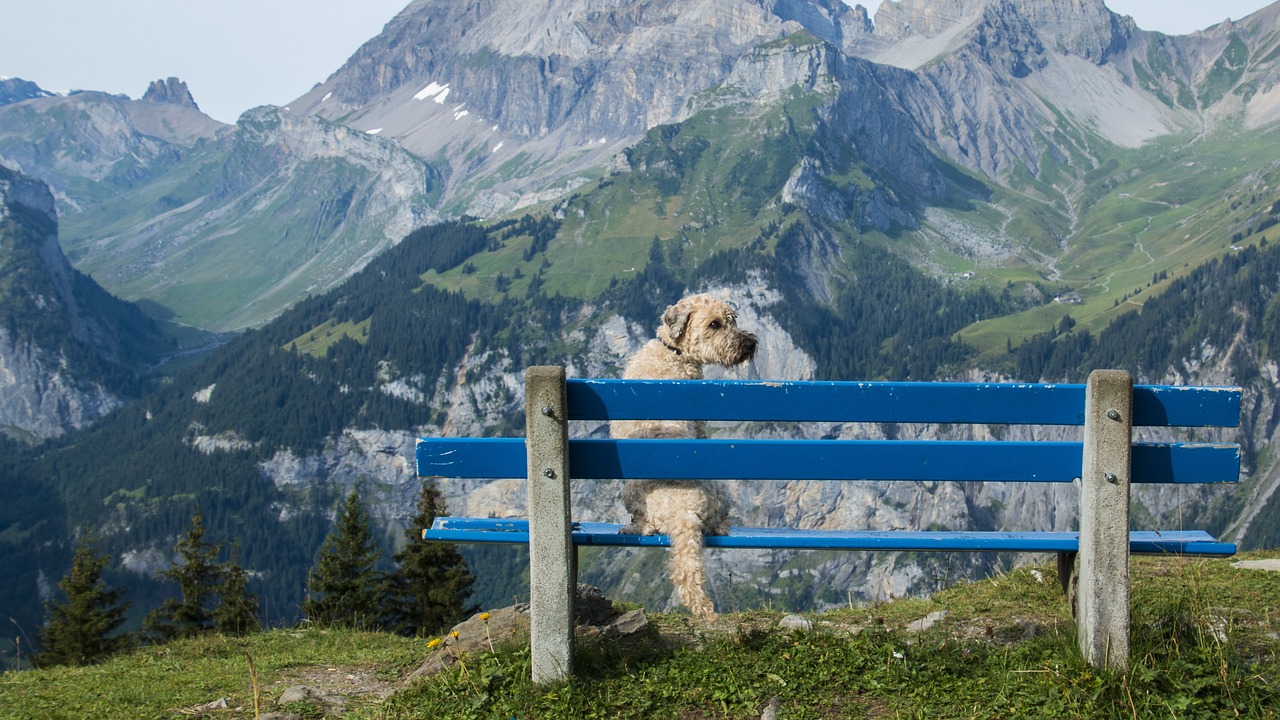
(432, 581)
(198, 578)
(345, 588)
(237, 610)
(78, 631)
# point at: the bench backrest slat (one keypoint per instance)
(827, 460)
(807, 401)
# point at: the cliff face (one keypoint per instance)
(170, 91)
(586, 71)
(40, 397)
(68, 349)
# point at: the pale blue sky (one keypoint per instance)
(238, 54)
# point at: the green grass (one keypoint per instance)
(317, 341)
(1203, 646)
(1167, 207)
(160, 682)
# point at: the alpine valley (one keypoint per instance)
(962, 190)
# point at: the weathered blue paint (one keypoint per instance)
(927, 402)
(1148, 542)
(896, 460)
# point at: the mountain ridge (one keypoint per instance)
(1031, 97)
(165, 204)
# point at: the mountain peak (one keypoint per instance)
(170, 91)
(916, 31)
(15, 90)
(18, 190)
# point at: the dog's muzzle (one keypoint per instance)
(746, 348)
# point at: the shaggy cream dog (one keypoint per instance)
(696, 331)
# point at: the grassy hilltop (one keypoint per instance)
(1205, 645)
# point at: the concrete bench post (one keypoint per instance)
(1102, 615)
(551, 552)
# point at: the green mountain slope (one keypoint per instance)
(216, 227)
(245, 224)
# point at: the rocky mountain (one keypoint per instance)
(91, 141)
(516, 102)
(69, 352)
(170, 91)
(14, 90)
(244, 225)
(214, 226)
(1072, 66)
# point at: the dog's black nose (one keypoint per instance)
(749, 346)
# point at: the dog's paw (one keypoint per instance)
(639, 525)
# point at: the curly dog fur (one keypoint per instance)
(696, 331)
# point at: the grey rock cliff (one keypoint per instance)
(170, 91)
(41, 395)
(15, 90)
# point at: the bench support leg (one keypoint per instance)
(1068, 577)
(551, 553)
(1102, 617)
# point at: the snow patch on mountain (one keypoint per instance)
(430, 91)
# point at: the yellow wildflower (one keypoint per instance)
(484, 616)
(434, 642)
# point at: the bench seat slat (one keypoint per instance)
(826, 460)
(516, 531)
(926, 402)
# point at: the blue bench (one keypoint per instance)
(1104, 462)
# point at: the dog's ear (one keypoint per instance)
(676, 318)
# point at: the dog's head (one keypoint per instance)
(705, 329)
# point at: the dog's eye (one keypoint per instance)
(714, 325)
